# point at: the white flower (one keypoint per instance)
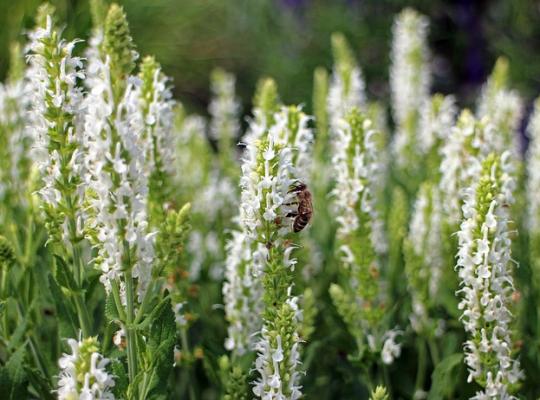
(157, 105)
(390, 350)
(437, 117)
(55, 119)
(15, 105)
(424, 272)
(82, 373)
(118, 183)
(356, 167)
(504, 107)
(469, 142)
(271, 355)
(410, 79)
(484, 267)
(341, 97)
(533, 171)
(242, 292)
(224, 108)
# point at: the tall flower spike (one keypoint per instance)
(346, 86)
(410, 81)
(16, 138)
(267, 202)
(158, 116)
(320, 94)
(117, 168)
(242, 293)
(83, 373)
(356, 162)
(56, 113)
(118, 46)
(485, 269)
(533, 189)
(437, 117)
(424, 264)
(469, 142)
(224, 109)
(504, 107)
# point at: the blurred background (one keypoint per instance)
(287, 39)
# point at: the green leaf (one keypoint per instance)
(121, 379)
(67, 320)
(40, 384)
(111, 312)
(64, 276)
(161, 349)
(444, 378)
(13, 377)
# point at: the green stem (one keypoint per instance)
(131, 335)
(421, 372)
(115, 290)
(185, 346)
(387, 381)
(84, 318)
(434, 350)
(78, 269)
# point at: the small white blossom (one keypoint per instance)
(82, 373)
(391, 349)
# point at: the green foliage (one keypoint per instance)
(13, 377)
(445, 376)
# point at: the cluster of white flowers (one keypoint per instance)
(293, 125)
(272, 360)
(56, 117)
(15, 99)
(347, 87)
(266, 187)
(437, 118)
(83, 375)
(470, 140)
(118, 179)
(356, 163)
(533, 171)
(410, 78)
(424, 272)
(224, 107)
(242, 292)
(157, 111)
(191, 134)
(342, 97)
(484, 267)
(504, 107)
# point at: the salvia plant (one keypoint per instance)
(147, 252)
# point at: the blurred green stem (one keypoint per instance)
(421, 371)
(185, 347)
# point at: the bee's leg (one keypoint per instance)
(292, 214)
(294, 203)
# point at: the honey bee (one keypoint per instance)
(303, 213)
